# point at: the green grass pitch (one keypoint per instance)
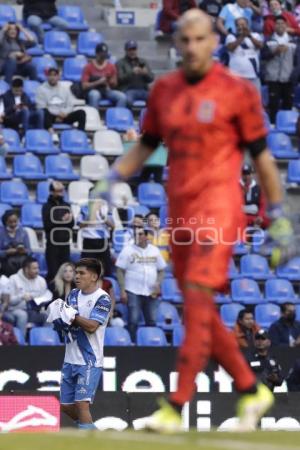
(129, 440)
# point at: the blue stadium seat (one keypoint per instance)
(60, 167)
(12, 139)
(4, 207)
(293, 173)
(233, 271)
(7, 14)
(87, 41)
(246, 291)
(286, 121)
(73, 67)
(37, 49)
(222, 299)
(266, 314)
(240, 249)
(43, 336)
(151, 337)
(280, 291)
(163, 216)
(117, 336)
(4, 174)
(267, 120)
(14, 192)
(151, 194)
(4, 87)
(40, 142)
(42, 64)
(30, 88)
(74, 16)
(28, 167)
(42, 191)
(229, 313)
(137, 209)
(255, 266)
(119, 238)
(75, 142)
(281, 146)
(178, 335)
(167, 316)
(19, 335)
(42, 263)
(290, 271)
(31, 215)
(58, 44)
(139, 104)
(170, 291)
(119, 119)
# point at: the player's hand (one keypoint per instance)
(102, 190)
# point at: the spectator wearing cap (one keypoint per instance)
(57, 102)
(285, 332)
(58, 223)
(134, 74)
(19, 110)
(254, 201)
(171, 11)
(245, 329)
(264, 365)
(99, 80)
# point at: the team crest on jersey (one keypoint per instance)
(206, 112)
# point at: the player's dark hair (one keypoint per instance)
(242, 313)
(284, 306)
(91, 264)
(17, 82)
(29, 260)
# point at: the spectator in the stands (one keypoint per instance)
(245, 328)
(279, 68)
(99, 79)
(171, 11)
(254, 200)
(7, 335)
(19, 110)
(134, 74)
(58, 223)
(211, 7)
(57, 102)
(38, 12)
(13, 57)
(277, 10)
(25, 286)
(95, 232)
(138, 221)
(158, 236)
(64, 281)
(140, 271)
(244, 48)
(14, 243)
(231, 11)
(285, 332)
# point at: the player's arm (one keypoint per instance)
(268, 175)
(134, 160)
(88, 325)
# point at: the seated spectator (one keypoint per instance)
(245, 329)
(134, 74)
(157, 236)
(276, 10)
(285, 332)
(14, 243)
(37, 12)
(25, 286)
(7, 335)
(171, 11)
(95, 233)
(19, 110)
(232, 11)
(13, 57)
(63, 282)
(244, 48)
(211, 7)
(254, 200)
(57, 102)
(279, 68)
(99, 79)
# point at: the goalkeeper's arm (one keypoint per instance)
(269, 179)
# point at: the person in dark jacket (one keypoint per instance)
(245, 329)
(37, 12)
(19, 110)
(285, 332)
(58, 223)
(134, 74)
(171, 11)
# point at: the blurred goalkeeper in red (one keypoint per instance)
(206, 116)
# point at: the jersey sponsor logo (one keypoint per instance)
(136, 258)
(206, 112)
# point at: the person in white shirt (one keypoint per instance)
(244, 48)
(140, 270)
(82, 368)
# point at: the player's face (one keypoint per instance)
(196, 45)
(84, 278)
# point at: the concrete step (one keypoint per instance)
(124, 33)
(146, 49)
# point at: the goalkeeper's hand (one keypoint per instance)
(102, 190)
(280, 237)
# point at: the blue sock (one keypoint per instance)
(86, 426)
